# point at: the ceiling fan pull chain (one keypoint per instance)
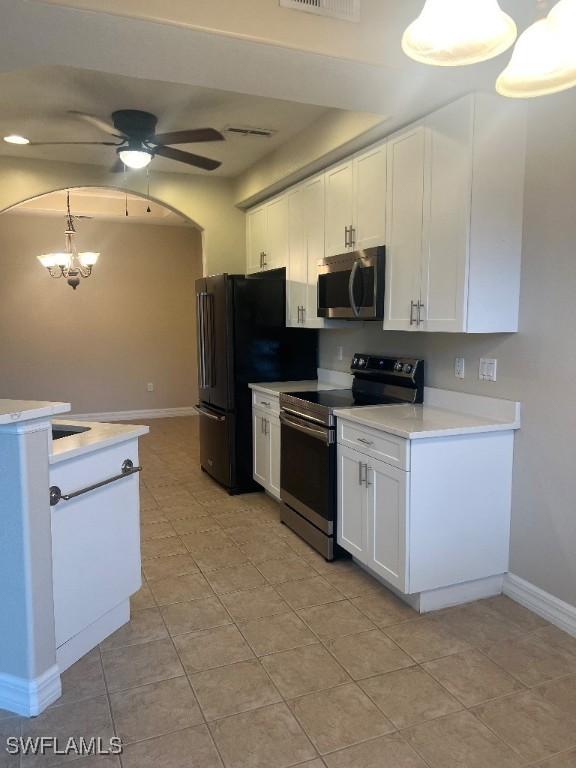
(148, 209)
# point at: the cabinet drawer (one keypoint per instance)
(267, 402)
(380, 445)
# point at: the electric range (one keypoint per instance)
(308, 466)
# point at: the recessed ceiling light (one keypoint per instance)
(15, 139)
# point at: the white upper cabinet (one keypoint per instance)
(339, 208)
(369, 225)
(355, 202)
(455, 219)
(405, 242)
(256, 239)
(306, 249)
(267, 236)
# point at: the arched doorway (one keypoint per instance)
(123, 345)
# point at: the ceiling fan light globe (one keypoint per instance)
(135, 158)
(88, 258)
(450, 33)
(543, 61)
(14, 138)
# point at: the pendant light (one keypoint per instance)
(544, 58)
(450, 33)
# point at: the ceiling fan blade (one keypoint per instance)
(193, 136)
(118, 167)
(187, 157)
(97, 122)
(68, 143)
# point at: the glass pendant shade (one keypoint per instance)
(88, 258)
(451, 33)
(47, 260)
(544, 58)
(135, 158)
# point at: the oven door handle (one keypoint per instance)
(351, 283)
(319, 433)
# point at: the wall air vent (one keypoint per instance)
(248, 130)
(348, 10)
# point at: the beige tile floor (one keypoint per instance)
(248, 650)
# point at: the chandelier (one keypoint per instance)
(457, 32)
(69, 263)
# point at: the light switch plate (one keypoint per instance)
(460, 368)
(150, 387)
(488, 369)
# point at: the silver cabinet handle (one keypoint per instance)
(421, 306)
(303, 315)
(126, 470)
(264, 262)
(366, 442)
(360, 465)
(413, 306)
(352, 231)
(267, 404)
(346, 242)
(366, 475)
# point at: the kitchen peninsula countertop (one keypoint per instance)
(99, 435)
(276, 387)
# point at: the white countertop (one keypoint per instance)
(26, 410)
(100, 435)
(415, 422)
(275, 387)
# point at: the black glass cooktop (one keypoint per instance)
(340, 398)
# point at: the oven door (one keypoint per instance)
(351, 286)
(308, 470)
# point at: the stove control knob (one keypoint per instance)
(407, 368)
(355, 360)
(398, 366)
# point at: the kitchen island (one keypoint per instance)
(69, 544)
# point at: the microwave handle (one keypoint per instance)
(351, 282)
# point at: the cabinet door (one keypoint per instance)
(444, 278)
(274, 444)
(370, 198)
(387, 522)
(276, 249)
(339, 207)
(314, 211)
(261, 443)
(405, 216)
(256, 239)
(351, 525)
(297, 285)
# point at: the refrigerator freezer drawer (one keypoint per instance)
(217, 445)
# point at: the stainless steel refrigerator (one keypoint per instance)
(242, 338)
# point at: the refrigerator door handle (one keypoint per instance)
(201, 340)
(211, 366)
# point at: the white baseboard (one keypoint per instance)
(551, 608)
(158, 413)
(30, 697)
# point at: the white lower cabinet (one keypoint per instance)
(266, 450)
(435, 513)
(372, 513)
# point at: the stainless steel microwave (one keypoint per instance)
(351, 285)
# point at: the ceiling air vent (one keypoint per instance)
(349, 10)
(248, 130)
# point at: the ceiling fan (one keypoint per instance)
(137, 143)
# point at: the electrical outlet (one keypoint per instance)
(150, 387)
(460, 368)
(488, 369)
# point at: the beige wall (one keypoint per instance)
(536, 366)
(327, 140)
(207, 201)
(131, 323)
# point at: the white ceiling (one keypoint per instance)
(35, 104)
